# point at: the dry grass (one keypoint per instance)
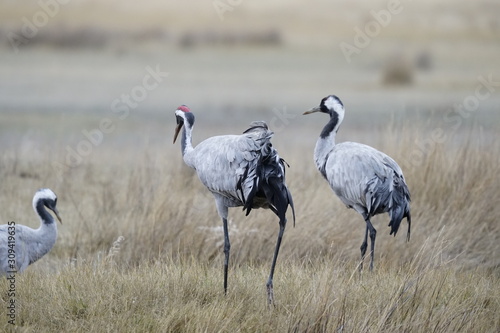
(166, 275)
(324, 296)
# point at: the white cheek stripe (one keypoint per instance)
(332, 104)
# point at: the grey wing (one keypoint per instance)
(245, 169)
(369, 181)
(20, 259)
(389, 193)
(359, 177)
(3, 250)
(221, 163)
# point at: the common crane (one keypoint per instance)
(20, 246)
(240, 170)
(364, 178)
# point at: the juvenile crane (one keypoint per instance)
(240, 170)
(27, 245)
(364, 178)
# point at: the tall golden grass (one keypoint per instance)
(165, 274)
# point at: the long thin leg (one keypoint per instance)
(227, 247)
(373, 234)
(270, 291)
(222, 210)
(363, 247)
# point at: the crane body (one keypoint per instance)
(240, 171)
(363, 178)
(27, 245)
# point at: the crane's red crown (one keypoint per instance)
(183, 108)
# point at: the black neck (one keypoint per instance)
(42, 212)
(330, 127)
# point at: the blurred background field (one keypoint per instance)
(404, 94)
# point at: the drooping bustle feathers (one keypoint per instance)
(265, 179)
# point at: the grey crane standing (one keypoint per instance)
(27, 245)
(240, 170)
(364, 178)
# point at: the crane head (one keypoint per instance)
(49, 199)
(329, 105)
(180, 116)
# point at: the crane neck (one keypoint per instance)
(330, 130)
(326, 142)
(187, 138)
(45, 217)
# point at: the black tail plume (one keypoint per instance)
(400, 208)
(269, 177)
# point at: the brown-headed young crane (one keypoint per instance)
(20, 246)
(364, 178)
(240, 170)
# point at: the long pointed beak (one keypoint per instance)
(177, 130)
(314, 109)
(57, 215)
